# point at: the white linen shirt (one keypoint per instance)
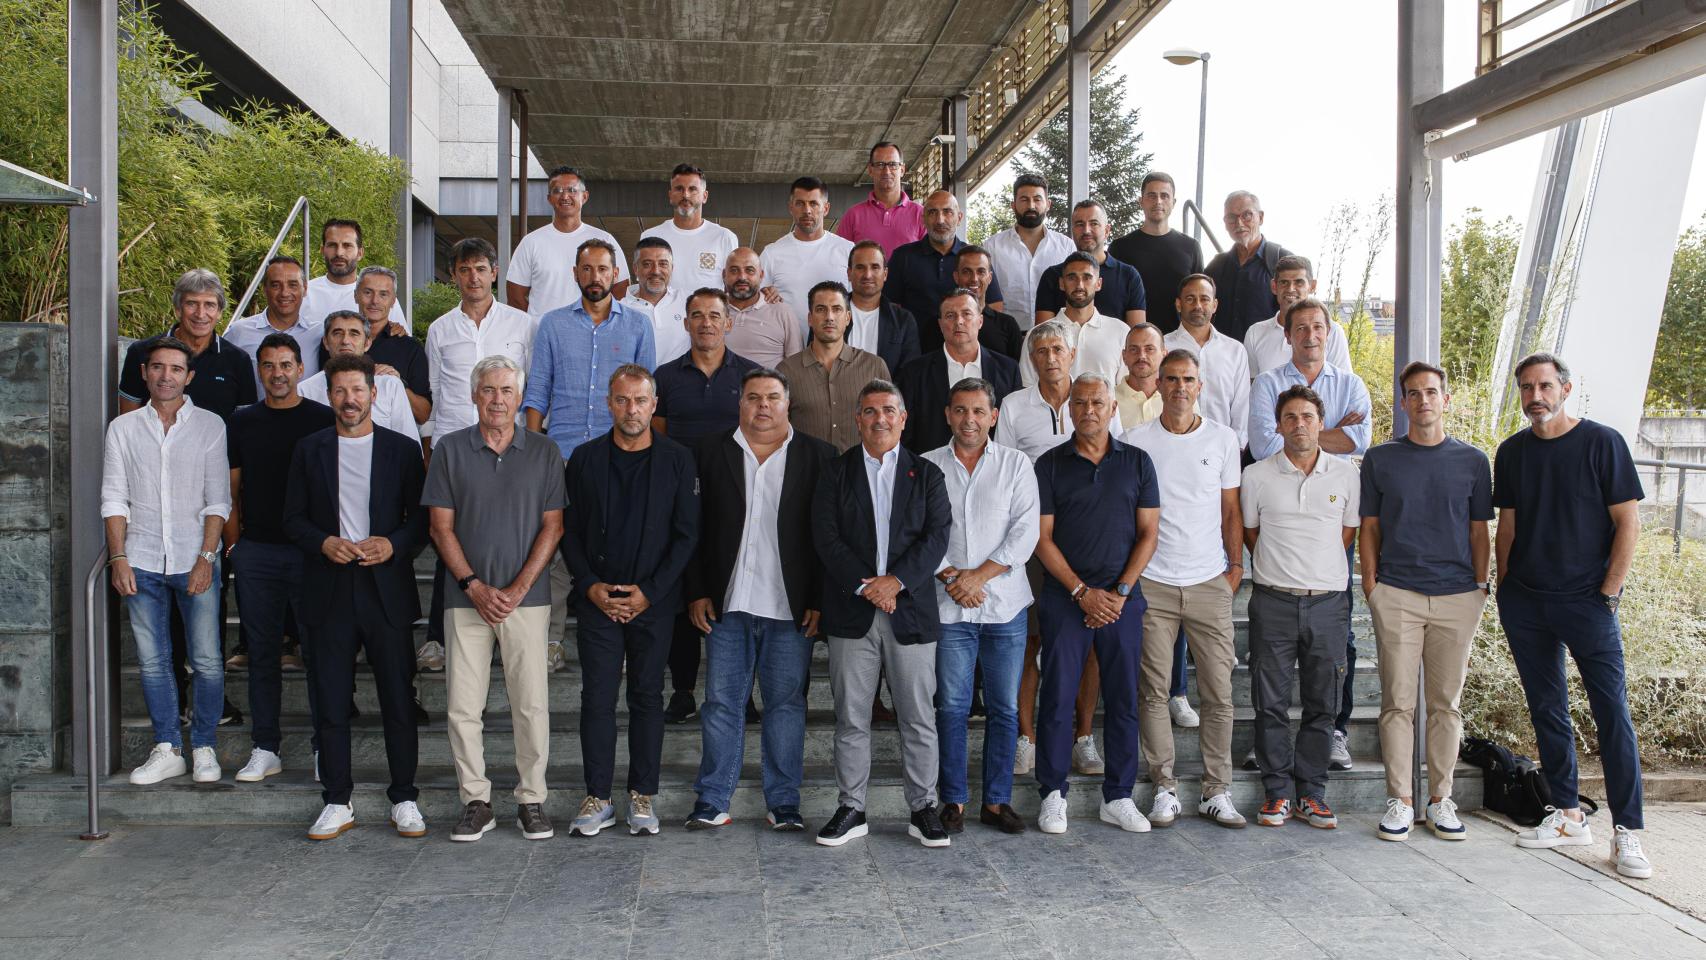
(1100, 349)
(454, 343)
(756, 585)
(248, 332)
(1019, 271)
(391, 408)
(1224, 367)
(879, 475)
(995, 518)
(1301, 545)
(1030, 425)
(1265, 344)
(165, 483)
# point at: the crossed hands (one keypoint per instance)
(1101, 607)
(882, 591)
(368, 553)
(620, 609)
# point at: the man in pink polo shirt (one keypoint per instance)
(888, 215)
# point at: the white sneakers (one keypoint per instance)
(1556, 830)
(1052, 819)
(1024, 757)
(262, 764)
(1165, 809)
(1123, 813)
(430, 656)
(1085, 759)
(406, 817)
(206, 764)
(336, 820)
(1183, 715)
(1395, 825)
(1443, 820)
(1220, 809)
(1626, 854)
(164, 762)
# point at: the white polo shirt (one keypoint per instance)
(1193, 469)
(995, 518)
(668, 316)
(1225, 394)
(544, 263)
(1019, 270)
(248, 332)
(455, 343)
(1302, 519)
(1101, 349)
(1029, 424)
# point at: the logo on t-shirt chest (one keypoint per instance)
(707, 260)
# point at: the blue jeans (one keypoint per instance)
(999, 648)
(738, 644)
(149, 608)
(1540, 626)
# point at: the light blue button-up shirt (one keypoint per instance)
(573, 359)
(1341, 391)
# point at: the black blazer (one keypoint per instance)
(394, 512)
(845, 534)
(722, 484)
(666, 541)
(924, 384)
(1000, 333)
(897, 334)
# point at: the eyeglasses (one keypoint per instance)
(564, 191)
(887, 165)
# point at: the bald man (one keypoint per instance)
(921, 273)
(764, 332)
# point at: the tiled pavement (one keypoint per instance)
(1194, 890)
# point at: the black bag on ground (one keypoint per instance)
(1511, 783)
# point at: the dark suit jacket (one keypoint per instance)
(667, 540)
(924, 384)
(897, 334)
(1224, 269)
(1000, 333)
(722, 484)
(845, 534)
(394, 512)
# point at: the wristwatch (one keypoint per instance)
(1611, 600)
(1485, 586)
(465, 581)
(211, 557)
(1123, 589)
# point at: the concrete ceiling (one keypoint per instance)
(751, 92)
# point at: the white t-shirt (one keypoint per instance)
(793, 266)
(668, 317)
(699, 254)
(355, 478)
(391, 408)
(324, 297)
(1192, 468)
(863, 333)
(544, 262)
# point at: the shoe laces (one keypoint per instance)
(1628, 843)
(639, 805)
(1445, 811)
(591, 806)
(1317, 808)
(1395, 808)
(1553, 816)
(1054, 803)
(1273, 805)
(1087, 747)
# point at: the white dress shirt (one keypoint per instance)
(1100, 349)
(668, 317)
(391, 408)
(995, 518)
(165, 483)
(248, 332)
(756, 586)
(454, 343)
(1224, 368)
(1266, 346)
(879, 475)
(958, 371)
(1019, 270)
(1033, 427)
(1302, 519)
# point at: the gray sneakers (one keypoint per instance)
(594, 816)
(641, 818)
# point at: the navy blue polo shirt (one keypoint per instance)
(224, 375)
(920, 277)
(1095, 506)
(1122, 290)
(696, 406)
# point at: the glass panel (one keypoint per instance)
(18, 185)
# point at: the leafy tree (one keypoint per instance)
(987, 214)
(1117, 162)
(1475, 289)
(1678, 378)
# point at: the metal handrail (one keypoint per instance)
(94, 654)
(1191, 209)
(1681, 467)
(301, 204)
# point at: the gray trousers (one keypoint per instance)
(1296, 640)
(855, 666)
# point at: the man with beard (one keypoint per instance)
(630, 529)
(353, 507)
(879, 325)
(807, 255)
(888, 216)
(700, 246)
(1224, 367)
(1244, 275)
(1024, 251)
(1161, 255)
(341, 248)
(762, 331)
(973, 270)
(1294, 279)
(1121, 296)
(576, 347)
(1100, 338)
(542, 269)
(284, 282)
(654, 294)
(345, 333)
(1567, 496)
(922, 272)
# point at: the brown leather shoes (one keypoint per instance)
(953, 817)
(1003, 817)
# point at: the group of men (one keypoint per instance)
(971, 495)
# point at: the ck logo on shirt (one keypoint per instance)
(707, 260)
(1205, 461)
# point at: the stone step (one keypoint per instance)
(682, 743)
(565, 689)
(292, 798)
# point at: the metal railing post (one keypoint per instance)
(1192, 210)
(94, 651)
(1681, 510)
(300, 206)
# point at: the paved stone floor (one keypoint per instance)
(1192, 891)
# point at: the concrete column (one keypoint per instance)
(505, 239)
(402, 119)
(1078, 104)
(1421, 75)
(958, 108)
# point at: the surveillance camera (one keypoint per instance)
(943, 139)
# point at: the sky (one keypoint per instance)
(1301, 110)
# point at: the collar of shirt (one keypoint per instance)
(966, 368)
(477, 439)
(740, 439)
(905, 201)
(1283, 463)
(1289, 372)
(1182, 339)
(634, 300)
(171, 331)
(263, 321)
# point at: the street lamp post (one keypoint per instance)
(1184, 58)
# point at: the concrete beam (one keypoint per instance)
(646, 200)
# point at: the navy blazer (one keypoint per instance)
(924, 384)
(667, 540)
(394, 512)
(845, 534)
(722, 478)
(897, 334)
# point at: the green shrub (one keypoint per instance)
(431, 302)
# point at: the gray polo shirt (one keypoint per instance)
(498, 500)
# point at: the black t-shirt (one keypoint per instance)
(630, 494)
(224, 376)
(406, 354)
(1162, 262)
(1561, 489)
(260, 441)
